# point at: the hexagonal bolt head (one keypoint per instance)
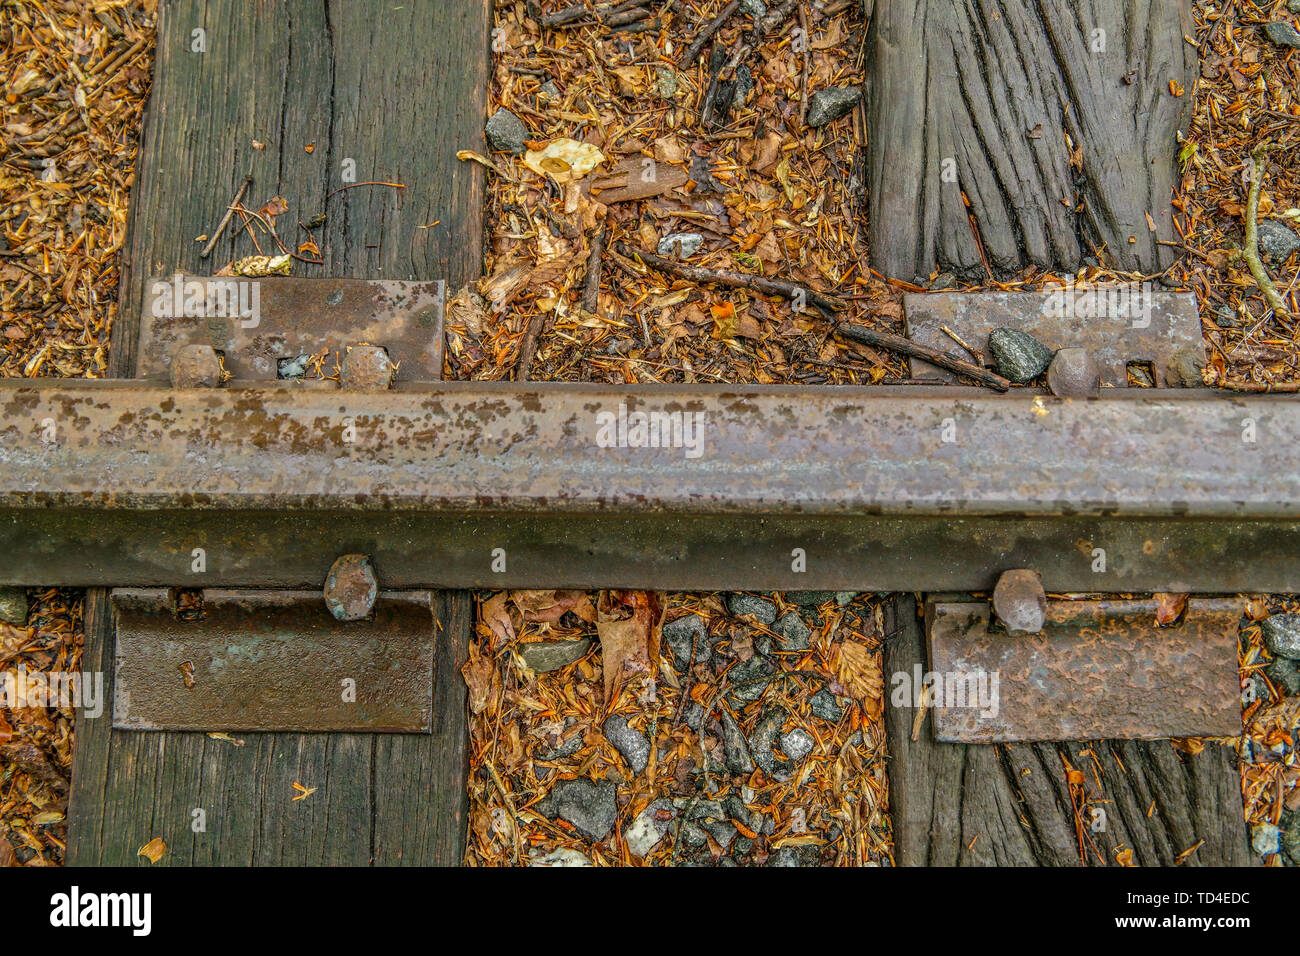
(195, 366)
(365, 367)
(1073, 374)
(351, 587)
(1020, 603)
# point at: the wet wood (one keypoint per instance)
(397, 91)
(1012, 805)
(1054, 119)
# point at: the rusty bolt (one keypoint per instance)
(366, 366)
(351, 587)
(1019, 602)
(1073, 374)
(195, 366)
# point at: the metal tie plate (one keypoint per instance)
(273, 660)
(1100, 669)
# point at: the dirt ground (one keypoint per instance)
(765, 194)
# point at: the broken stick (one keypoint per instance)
(225, 220)
(591, 287)
(735, 280)
(896, 343)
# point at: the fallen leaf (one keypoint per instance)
(477, 672)
(564, 160)
(1169, 608)
(153, 850)
(549, 606)
(497, 618)
(858, 669)
(627, 624)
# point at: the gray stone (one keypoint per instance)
(1277, 243)
(763, 739)
(13, 605)
(680, 245)
(830, 104)
(823, 704)
(507, 132)
(1281, 634)
(795, 856)
(645, 832)
(692, 835)
(566, 749)
(684, 634)
(1185, 367)
(740, 604)
(734, 746)
(543, 656)
(1018, 356)
(1286, 675)
(1073, 374)
(589, 806)
(1293, 6)
(755, 669)
(1265, 838)
(693, 716)
(755, 8)
(722, 831)
(1283, 34)
(1290, 836)
(665, 83)
(631, 744)
(292, 367)
(561, 856)
(548, 91)
(797, 744)
(944, 280)
(735, 809)
(703, 811)
(792, 632)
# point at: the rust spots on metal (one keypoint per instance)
(274, 661)
(351, 587)
(1099, 669)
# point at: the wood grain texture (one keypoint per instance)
(994, 87)
(398, 89)
(998, 805)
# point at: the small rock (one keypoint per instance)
(1283, 34)
(1185, 367)
(666, 83)
(792, 632)
(543, 656)
(1265, 838)
(818, 598)
(740, 604)
(722, 831)
(631, 744)
(735, 809)
(692, 835)
(1282, 635)
(703, 810)
(548, 91)
(561, 856)
(734, 746)
(1018, 355)
(824, 705)
(806, 855)
(830, 104)
(944, 280)
(589, 806)
(1293, 6)
(1286, 675)
(755, 8)
(764, 737)
(797, 744)
(1226, 317)
(566, 749)
(13, 605)
(1290, 836)
(645, 832)
(693, 716)
(506, 132)
(1073, 374)
(680, 245)
(1276, 242)
(683, 635)
(292, 367)
(749, 678)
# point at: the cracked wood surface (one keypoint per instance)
(1011, 805)
(989, 90)
(398, 90)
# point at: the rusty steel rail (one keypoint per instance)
(505, 484)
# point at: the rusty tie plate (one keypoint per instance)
(273, 660)
(1099, 669)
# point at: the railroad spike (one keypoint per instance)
(351, 587)
(1020, 602)
(366, 367)
(1073, 374)
(195, 366)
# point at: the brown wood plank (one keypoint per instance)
(1010, 805)
(397, 90)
